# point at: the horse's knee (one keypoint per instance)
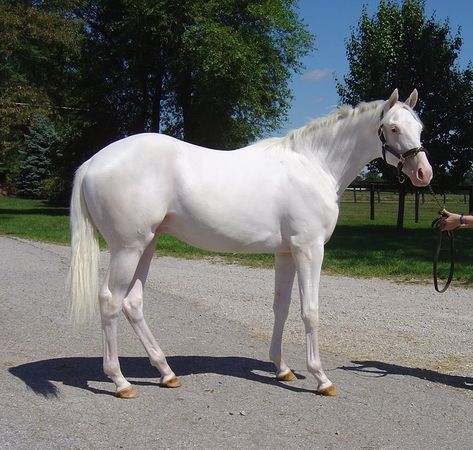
(310, 319)
(281, 312)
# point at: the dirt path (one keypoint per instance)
(400, 354)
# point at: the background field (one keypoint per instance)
(358, 247)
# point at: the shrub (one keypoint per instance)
(55, 190)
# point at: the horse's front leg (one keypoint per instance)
(308, 265)
(284, 279)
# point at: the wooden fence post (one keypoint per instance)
(416, 207)
(371, 201)
(400, 209)
(470, 206)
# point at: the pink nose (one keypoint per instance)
(424, 175)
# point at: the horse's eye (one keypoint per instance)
(394, 129)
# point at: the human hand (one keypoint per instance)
(450, 221)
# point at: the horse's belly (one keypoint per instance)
(229, 238)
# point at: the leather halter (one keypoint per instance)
(411, 153)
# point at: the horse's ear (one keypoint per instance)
(412, 99)
(393, 99)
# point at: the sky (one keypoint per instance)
(331, 21)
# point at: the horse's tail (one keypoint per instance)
(83, 271)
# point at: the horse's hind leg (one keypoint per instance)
(133, 310)
(284, 279)
(123, 264)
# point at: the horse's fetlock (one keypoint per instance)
(315, 369)
(274, 357)
(157, 358)
(111, 369)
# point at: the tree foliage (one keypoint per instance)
(42, 147)
(400, 47)
(211, 72)
(39, 46)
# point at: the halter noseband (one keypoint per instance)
(411, 153)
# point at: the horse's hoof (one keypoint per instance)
(288, 376)
(129, 392)
(328, 391)
(172, 383)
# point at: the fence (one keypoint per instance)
(378, 193)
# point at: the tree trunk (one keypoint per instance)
(156, 105)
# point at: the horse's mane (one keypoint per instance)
(341, 113)
(344, 112)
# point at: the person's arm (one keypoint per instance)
(452, 221)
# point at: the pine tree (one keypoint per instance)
(41, 148)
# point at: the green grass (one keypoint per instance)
(358, 247)
(34, 219)
(366, 248)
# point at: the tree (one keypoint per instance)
(40, 149)
(400, 47)
(39, 47)
(235, 60)
(212, 73)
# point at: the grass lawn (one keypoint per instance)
(358, 247)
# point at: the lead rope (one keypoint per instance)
(438, 225)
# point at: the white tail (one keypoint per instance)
(83, 271)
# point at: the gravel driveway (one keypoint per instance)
(401, 356)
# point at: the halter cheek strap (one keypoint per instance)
(411, 153)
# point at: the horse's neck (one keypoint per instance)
(348, 155)
(343, 149)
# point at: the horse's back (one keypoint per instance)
(133, 154)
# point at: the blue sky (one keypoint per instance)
(331, 21)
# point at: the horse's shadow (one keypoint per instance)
(381, 369)
(79, 371)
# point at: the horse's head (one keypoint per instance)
(399, 132)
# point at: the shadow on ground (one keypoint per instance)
(381, 369)
(40, 376)
(78, 372)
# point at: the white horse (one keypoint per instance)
(280, 196)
